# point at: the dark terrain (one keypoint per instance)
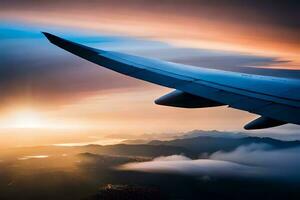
(89, 172)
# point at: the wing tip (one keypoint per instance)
(46, 33)
(52, 38)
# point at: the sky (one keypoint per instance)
(51, 96)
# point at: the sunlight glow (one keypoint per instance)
(27, 119)
(23, 119)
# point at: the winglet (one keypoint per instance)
(50, 37)
(57, 40)
(72, 47)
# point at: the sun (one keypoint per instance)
(34, 118)
(25, 118)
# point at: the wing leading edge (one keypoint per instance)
(277, 100)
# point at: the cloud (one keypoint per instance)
(280, 13)
(254, 160)
(33, 70)
(179, 164)
(279, 163)
(172, 158)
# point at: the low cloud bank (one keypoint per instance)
(280, 163)
(255, 160)
(192, 167)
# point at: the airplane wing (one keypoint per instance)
(276, 100)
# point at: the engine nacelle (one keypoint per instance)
(181, 99)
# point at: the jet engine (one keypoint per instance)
(181, 99)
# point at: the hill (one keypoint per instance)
(207, 144)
